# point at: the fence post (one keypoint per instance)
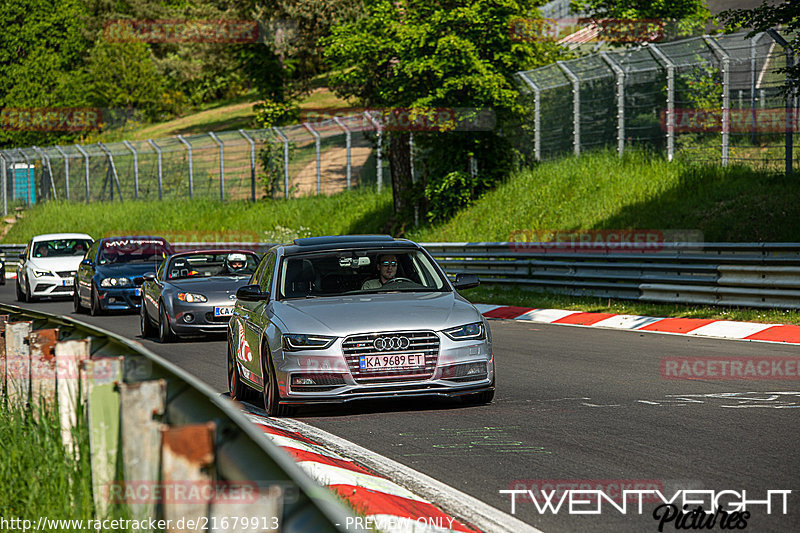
(135, 168)
(158, 151)
(66, 170)
(191, 165)
(221, 165)
(307, 126)
(620, 86)
(537, 133)
(753, 86)
(789, 98)
(252, 165)
(670, 113)
(576, 106)
(378, 155)
(113, 170)
(45, 159)
(347, 144)
(86, 161)
(5, 183)
(725, 59)
(285, 161)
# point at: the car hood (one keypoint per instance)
(214, 284)
(55, 263)
(345, 315)
(133, 269)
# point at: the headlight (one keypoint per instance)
(192, 298)
(468, 332)
(40, 273)
(294, 343)
(116, 282)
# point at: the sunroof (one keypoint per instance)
(340, 239)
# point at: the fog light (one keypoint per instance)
(299, 380)
(112, 300)
(476, 368)
(188, 317)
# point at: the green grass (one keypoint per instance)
(38, 477)
(504, 295)
(360, 211)
(640, 191)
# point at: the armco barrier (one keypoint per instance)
(741, 274)
(170, 432)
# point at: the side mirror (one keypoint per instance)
(21, 255)
(150, 276)
(251, 293)
(466, 281)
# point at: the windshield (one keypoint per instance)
(207, 264)
(129, 250)
(358, 272)
(61, 248)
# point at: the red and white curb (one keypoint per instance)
(720, 329)
(385, 505)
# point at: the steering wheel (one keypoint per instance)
(399, 279)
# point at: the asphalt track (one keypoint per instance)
(572, 404)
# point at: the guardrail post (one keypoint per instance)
(252, 164)
(576, 106)
(670, 112)
(221, 165)
(4, 171)
(725, 59)
(191, 164)
(135, 168)
(43, 370)
(142, 405)
(620, 86)
(100, 378)
(86, 161)
(347, 145)
(187, 452)
(66, 170)
(790, 97)
(307, 126)
(285, 161)
(18, 362)
(378, 154)
(69, 354)
(537, 110)
(158, 151)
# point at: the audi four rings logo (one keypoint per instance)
(384, 344)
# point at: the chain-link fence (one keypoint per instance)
(715, 98)
(322, 157)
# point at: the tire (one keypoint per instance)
(165, 334)
(270, 395)
(95, 309)
(479, 398)
(76, 302)
(146, 327)
(20, 295)
(239, 391)
(28, 297)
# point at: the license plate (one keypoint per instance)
(223, 311)
(67, 282)
(390, 362)
(138, 292)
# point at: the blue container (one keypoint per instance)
(24, 186)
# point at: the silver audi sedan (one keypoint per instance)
(334, 319)
(193, 293)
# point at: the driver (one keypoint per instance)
(387, 269)
(235, 263)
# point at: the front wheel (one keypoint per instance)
(29, 298)
(271, 397)
(95, 308)
(165, 334)
(20, 295)
(239, 391)
(147, 329)
(76, 301)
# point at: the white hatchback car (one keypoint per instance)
(47, 266)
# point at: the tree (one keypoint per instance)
(688, 16)
(767, 16)
(420, 55)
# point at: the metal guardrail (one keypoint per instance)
(739, 274)
(162, 425)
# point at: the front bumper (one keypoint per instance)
(119, 299)
(199, 318)
(51, 286)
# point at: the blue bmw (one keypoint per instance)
(110, 276)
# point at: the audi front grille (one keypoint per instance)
(424, 342)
